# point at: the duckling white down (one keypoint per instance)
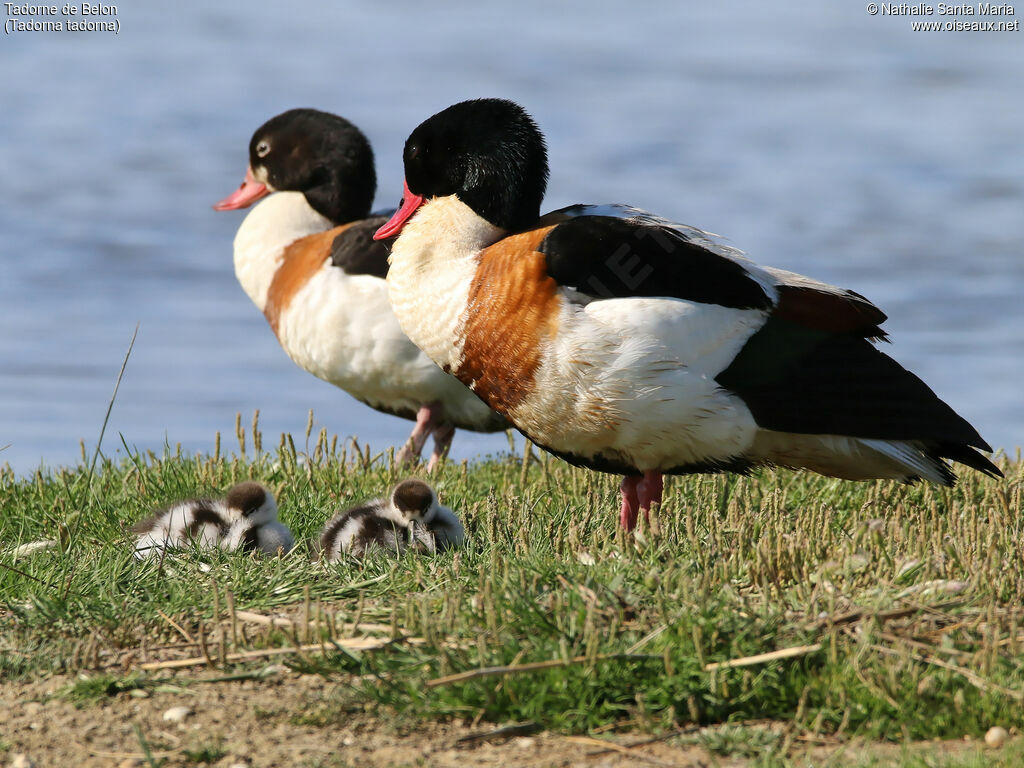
(269, 538)
(410, 518)
(246, 519)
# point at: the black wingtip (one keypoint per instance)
(971, 458)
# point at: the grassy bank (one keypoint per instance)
(893, 612)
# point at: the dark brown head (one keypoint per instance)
(252, 501)
(413, 499)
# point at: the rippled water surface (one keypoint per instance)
(822, 140)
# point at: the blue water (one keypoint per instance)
(818, 139)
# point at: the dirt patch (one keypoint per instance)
(258, 723)
(291, 719)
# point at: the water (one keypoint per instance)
(818, 139)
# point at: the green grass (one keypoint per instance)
(207, 753)
(87, 690)
(915, 595)
(1010, 757)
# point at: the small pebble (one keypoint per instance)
(177, 714)
(21, 760)
(996, 736)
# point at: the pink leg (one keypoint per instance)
(427, 419)
(650, 490)
(442, 442)
(630, 501)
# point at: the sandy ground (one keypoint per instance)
(253, 723)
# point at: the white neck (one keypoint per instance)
(389, 511)
(433, 263)
(269, 228)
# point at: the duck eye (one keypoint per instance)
(262, 149)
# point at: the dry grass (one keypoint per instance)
(904, 602)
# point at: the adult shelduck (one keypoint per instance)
(307, 259)
(626, 343)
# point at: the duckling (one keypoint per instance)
(270, 538)
(255, 526)
(419, 502)
(246, 518)
(252, 501)
(410, 518)
(199, 521)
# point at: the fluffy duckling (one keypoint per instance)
(256, 527)
(271, 538)
(199, 521)
(235, 522)
(410, 518)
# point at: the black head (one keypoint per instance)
(489, 152)
(413, 499)
(321, 155)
